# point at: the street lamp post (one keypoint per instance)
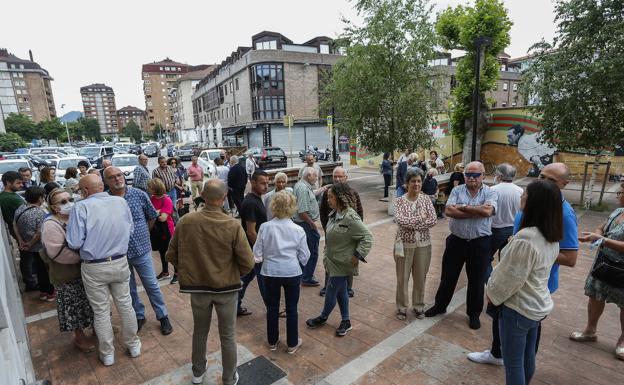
(480, 42)
(65, 122)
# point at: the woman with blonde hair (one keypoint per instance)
(282, 248)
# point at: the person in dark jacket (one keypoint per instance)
(402, 171)
(339, 175)
(237, 181)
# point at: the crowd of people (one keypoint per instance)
(82, 243)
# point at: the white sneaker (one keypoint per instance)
(236, 378)
(485, 357)
(199, 379)
(135, 351)
(292, 350)
(107, 360)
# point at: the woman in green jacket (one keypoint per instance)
(347, 241)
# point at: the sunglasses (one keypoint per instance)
(64, 201)
(473, 174)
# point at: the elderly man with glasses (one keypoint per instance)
(470, 208)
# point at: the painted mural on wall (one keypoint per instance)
(531, 147)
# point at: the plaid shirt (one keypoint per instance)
(167, 175)
(141, 177)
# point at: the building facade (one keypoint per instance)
(245, 98)
(180, 99)
(98, 102)
(159, 79)
(25, 88)
(131, 113)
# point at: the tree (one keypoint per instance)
(576, 82)
(11, 141)
(132, 130)
(458, 28)
(51, 129)
(91, 128)
(157, 132)
(382, 89)
(21, 125)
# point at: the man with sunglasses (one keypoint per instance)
(559, 174)
(139, 249)
(470, 208)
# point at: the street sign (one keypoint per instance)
(330, 121)
(288, 121)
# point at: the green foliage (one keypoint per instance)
(21, 125)
(458, 28)
(576, 82)
(132, 130)
(11, 141)
(51, 129)
(157, 131)
(382, 89)
(90, 128)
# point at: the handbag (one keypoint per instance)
(607, 271)
(399, 251)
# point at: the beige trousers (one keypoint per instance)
(196, 188)
(101, 280)
(416, 262)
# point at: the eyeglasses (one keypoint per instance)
(64, 201)
(474, 175)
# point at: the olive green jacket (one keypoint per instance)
(345, 236)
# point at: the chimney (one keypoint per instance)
(4, 52)
(30, 54)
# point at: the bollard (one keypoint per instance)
(391, 200)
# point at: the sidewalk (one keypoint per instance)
(379, 349)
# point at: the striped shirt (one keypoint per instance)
(167, 175)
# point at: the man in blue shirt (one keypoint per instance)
(100, 227)
(139, 248)
(470, 209)
(559, 174)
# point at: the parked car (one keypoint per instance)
(206, 160)
(37, 162)
(96, 154)
(16, 164)
(135, 149)
(151, 150)
(171, 150)
(126, 163)
(268, 157)
(185, 152)
(64, 164)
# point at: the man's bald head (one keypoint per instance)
(214, 192)
(475, 166)
(339, 175)
(114, 178)
(556, 172)
(106, 163)
(91, 184)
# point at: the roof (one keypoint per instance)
(7, 57)
(262, 34)
(197, 75)
(167, 61)
(96, 85)
(131, 108)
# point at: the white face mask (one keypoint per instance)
(66, 208)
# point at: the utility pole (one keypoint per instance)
(330, 122)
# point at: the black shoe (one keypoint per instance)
(140, 323)
(174, 280)
(243, 311)
(311, 282)
(350, 293)
(344, 327)
(313, 323)
(434, 311)
(165, 326)
(474, 322)
(322, 292)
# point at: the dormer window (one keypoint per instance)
(324, 48)
(271, 44)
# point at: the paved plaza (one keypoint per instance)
(379, 350)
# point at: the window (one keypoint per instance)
(236, 84)
(513, 104)
(231, 89)
(503, 104)
(272, 44)
(515, 87)
(267, 91)
(232, 111)
(324, 48)
(505, 86)
(238, 109)
(225, 89)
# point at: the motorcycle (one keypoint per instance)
(318, 155)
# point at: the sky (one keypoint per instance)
(83, 42)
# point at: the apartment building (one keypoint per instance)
(245, 98)
(98, 102)
(159, 79)
(131, 113)
(25, 88)
(180, 99)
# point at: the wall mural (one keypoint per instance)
(531, 148)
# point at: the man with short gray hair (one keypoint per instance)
(141, 173)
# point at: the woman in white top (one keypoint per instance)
(282, 248)
(520, 281)
(280, 180)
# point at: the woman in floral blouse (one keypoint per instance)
(415, 215)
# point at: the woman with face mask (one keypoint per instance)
(74, 312)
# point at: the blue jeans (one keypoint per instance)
(400, 191)
(336, 291)
(247, 278)
(313, 237)
(173, 194)
(518, 340)
(273, 287)
(499, 237)
(145, 268)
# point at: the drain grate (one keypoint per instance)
(259, 371)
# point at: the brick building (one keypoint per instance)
(25, 88)
(158, 80)
(98, 101)
(128, 113)
(244, 99)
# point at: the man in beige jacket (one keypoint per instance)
(210, 251)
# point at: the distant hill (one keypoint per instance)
(71, 116)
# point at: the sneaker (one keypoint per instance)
(311, 282)
(43, 296)
(107, 360)
(322, 292)
(236, 378)
(162, 275)
(314, 323)
(140, 323)
(474, 323)
(135, 351)
(274, 346)
(51, 297)
(434, 311)
(199, 379)
(165, 326)
(350, 293)
(485, 357)
(292, 350)
(174, 279)
(344, 327)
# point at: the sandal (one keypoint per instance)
(619, 352)
(401, 315)
(582, 337)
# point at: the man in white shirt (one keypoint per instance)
(309, 162)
